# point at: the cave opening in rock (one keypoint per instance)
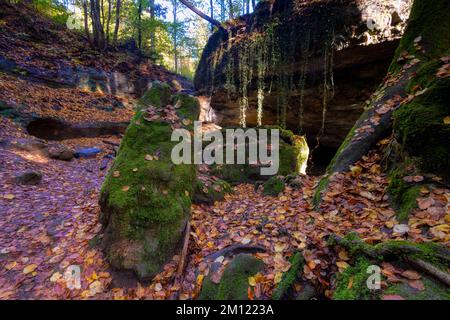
(319, 160)
(54, 129)
(48, 129)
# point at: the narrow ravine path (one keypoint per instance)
(47, 228)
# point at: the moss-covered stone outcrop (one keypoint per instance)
(145, 198)
(234, 282)
(420, 128)
(209, 190)
(429, 260)
(293, 157)
(301, 64)
(416, 95)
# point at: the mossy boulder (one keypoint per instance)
(158, 96)
(293, 157)
(145, 199)
(274, 186)
(210, 190)
(234, 282)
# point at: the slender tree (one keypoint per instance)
(116, 27)
(231, 9)
(139, 26)
(97, 27)
(108, 21)
(86, 21)
(211, 5)
(153, 30)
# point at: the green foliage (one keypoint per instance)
(53, 9)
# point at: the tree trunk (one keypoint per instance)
(99, 34)
(201, 14)
(116, 27)
(222, 10)
(231, 12)
(211, 5)
(86, 23)
(175, 35)
(108, 22)
(139, 42)
(102, 11)
(153, 31)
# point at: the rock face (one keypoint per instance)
(146, 199)
(312, 64)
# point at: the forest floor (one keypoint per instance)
(46, 228)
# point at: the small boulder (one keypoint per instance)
(30, 178)
(401, 229)
(66, 155)
(234, 282)
(60, 152)
(210, 189)
(274, 186)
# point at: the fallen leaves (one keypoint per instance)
(29, 269)
(392, 297)
(411, 275)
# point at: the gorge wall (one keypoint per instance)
(308, 66)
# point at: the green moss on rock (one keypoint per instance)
(145, 201)
(234, 282)
(297, 261)
(158, 96)
(211, 191)
(433, 290)
(274, 186)
(431, 21)
(403, 196)
(357, 275)
(293, 156)
(421, 130)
